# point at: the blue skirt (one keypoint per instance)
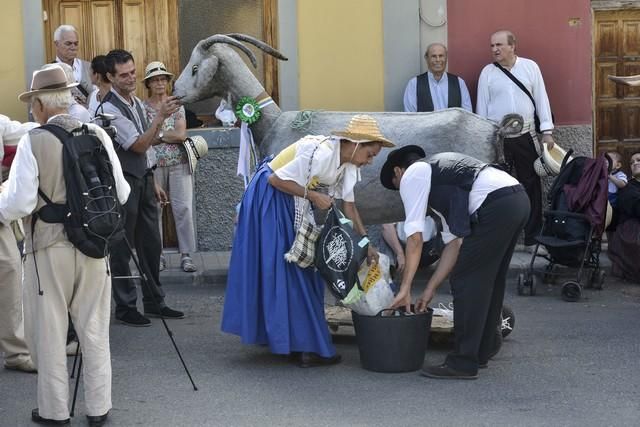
(269, 301)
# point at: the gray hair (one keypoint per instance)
(426, 52)
(60, 100)
(57, 34)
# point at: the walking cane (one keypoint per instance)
(143, 279)
(75, 391)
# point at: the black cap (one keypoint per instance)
(396, 158)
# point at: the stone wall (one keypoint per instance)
(217, 189)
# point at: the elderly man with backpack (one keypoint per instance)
(66, 270)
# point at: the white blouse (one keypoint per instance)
(325, 167)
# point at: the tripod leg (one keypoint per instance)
(75, 359)
(75, 391)
(143, 280)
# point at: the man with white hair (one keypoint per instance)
(12, 343)
(65, 38)
(436, 89)
(59, 278)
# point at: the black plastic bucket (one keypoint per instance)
(396, 342)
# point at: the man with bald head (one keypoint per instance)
(436, 89)
(499, 95)
(65, 38)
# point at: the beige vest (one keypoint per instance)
(47, 150)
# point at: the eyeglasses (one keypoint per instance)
(69, 43)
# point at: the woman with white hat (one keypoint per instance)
(268, 300)
(173, 175)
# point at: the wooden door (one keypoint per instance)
(617, 107)
(146, 28)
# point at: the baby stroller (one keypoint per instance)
(572, 227)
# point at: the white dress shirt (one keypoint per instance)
(325, 167)
(415, 187)
(77, 68)
(439, 94)
(499, 96)
(19, 197)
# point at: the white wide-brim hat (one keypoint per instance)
(197, 148)
(156, 68)
(553, 158)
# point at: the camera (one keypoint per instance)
(104, 121)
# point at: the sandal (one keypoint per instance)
(187, 265)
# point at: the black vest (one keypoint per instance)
(132, 163)
(452, 176)
(423, 92)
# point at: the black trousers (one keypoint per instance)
(141, 224)
(478, 279)
(521, 153)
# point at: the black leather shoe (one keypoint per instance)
(133, 318)
(311, 360)
(447, 373)
(36, 418)
(97, 420)
(165, 312)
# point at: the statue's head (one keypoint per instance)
(212, 62)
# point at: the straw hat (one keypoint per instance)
(553, 158)
(395, 158)
(197, 148)
(50, 78)
(363, 128)
(156, 68)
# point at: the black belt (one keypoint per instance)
(504, 191)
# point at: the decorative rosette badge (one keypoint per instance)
(248, 110)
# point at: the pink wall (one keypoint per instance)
(543, 33)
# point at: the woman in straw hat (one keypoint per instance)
(173, 176)
(270, 301)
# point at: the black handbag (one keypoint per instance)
(339, 252)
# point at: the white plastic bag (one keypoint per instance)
(225, 113)
(375, 281)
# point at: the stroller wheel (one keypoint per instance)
(521, 285)
(532, 285)
(508, 321)
(597, 279)
(571, 291)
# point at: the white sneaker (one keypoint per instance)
(26, 366)
(72, 348)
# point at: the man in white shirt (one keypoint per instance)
(59, 278)
(436, 89)
(498, 96)
(483, 210)
(65, 38)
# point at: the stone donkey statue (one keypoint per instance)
(215, 69)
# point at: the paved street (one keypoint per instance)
(565, 364)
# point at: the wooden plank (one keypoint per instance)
(270, 36)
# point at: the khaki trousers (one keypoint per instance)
(71, 283)
(11, 321)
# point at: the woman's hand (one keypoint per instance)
(319, 200)
(400, 262)
(372, 255)
(424, 300)
(161, 195)
(402, 299)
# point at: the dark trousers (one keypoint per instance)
(479, 276)
(521, 153)
(141, 224)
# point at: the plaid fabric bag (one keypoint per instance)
(303, 249)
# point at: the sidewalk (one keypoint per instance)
(213, 266)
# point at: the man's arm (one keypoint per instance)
(410, 96)
(447, 261)
(390, 236)
(150, 136)
(19, 196)
(466, 98)
(483, 94)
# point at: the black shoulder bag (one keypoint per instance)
(518, 83)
